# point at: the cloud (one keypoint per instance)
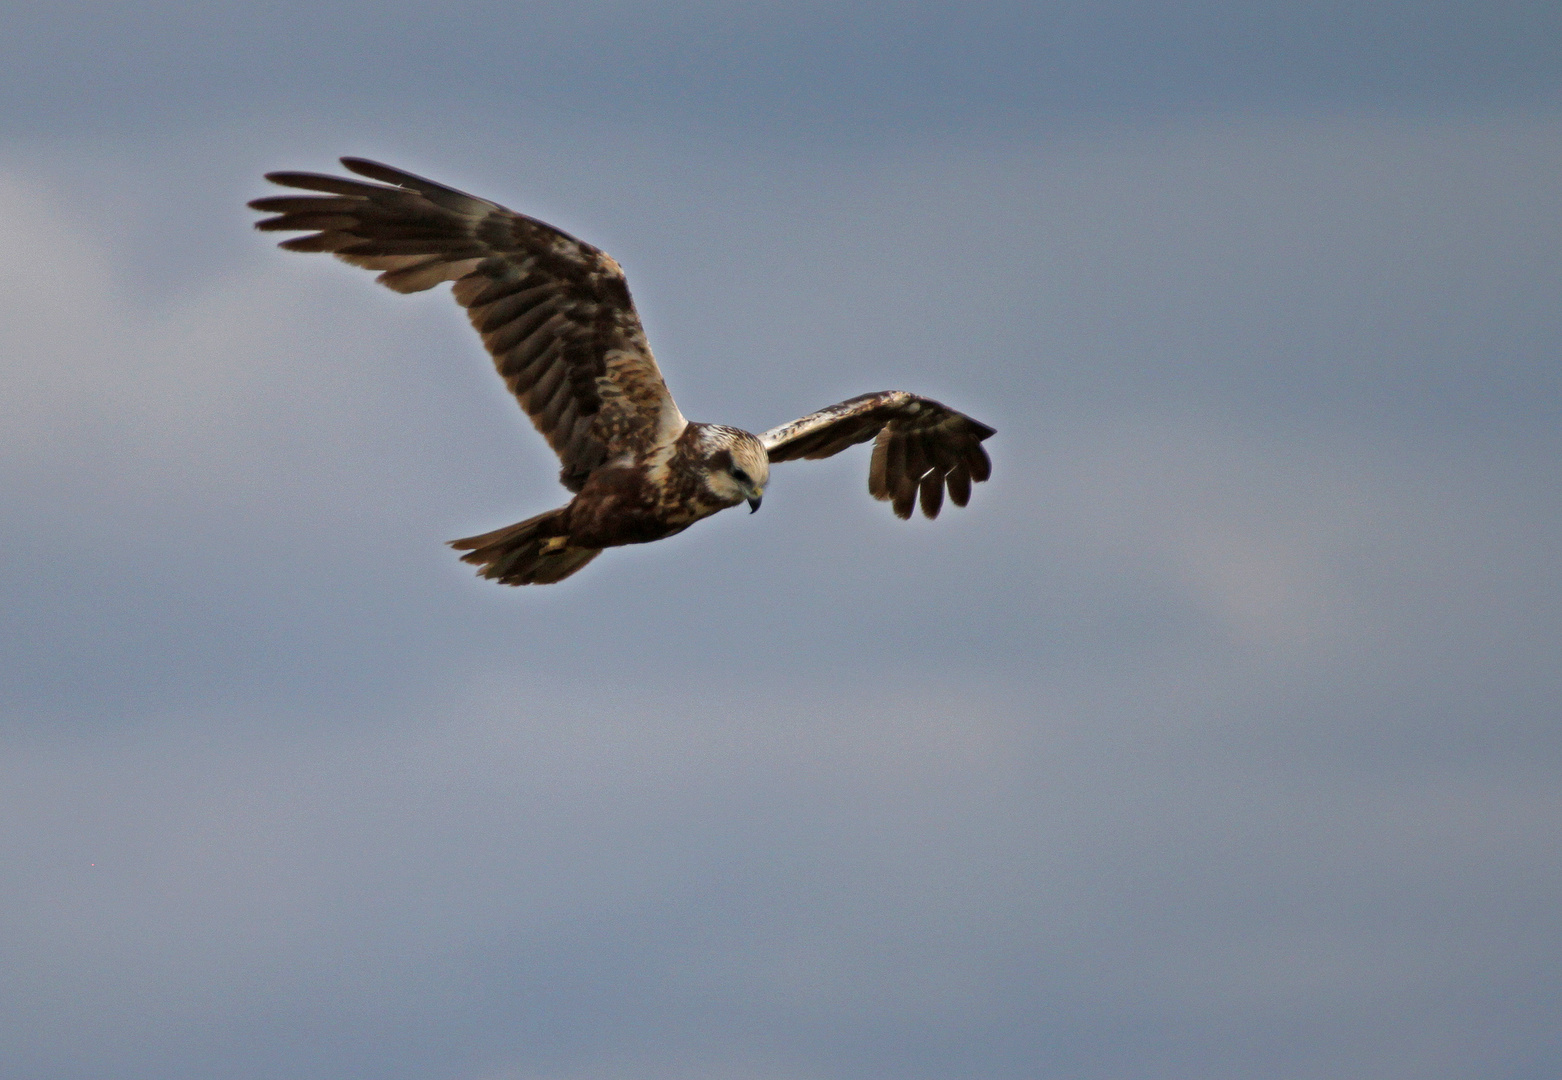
(1215, 738)
(808, 72)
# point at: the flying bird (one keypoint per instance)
(555, 314)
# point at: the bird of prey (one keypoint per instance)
(555, 314)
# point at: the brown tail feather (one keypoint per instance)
(531, 552)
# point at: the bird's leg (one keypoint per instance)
(554, 543)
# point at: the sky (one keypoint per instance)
(1218, 737)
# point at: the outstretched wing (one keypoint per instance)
(921, 446)
(554, 312)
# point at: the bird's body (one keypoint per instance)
(556, 316)
(635, 501)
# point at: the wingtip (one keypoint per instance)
(359, 165)
(389, 174)
(981, 465)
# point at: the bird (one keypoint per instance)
(555, 314)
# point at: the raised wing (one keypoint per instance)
(921, 446)
(554, 312)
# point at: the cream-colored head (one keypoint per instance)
(737, 466)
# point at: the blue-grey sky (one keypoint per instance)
(1219, 736)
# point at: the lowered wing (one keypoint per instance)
(921, 446)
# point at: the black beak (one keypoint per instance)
(753, 505)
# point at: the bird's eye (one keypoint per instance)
(740, 476)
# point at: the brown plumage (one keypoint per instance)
(921, 445)
(556, 316)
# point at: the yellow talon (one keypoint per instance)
(554, 543)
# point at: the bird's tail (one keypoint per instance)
(536, 551)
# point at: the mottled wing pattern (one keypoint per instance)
(921, 446)
(554, 312)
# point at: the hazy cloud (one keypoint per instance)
(810, 70)
(1217, 737)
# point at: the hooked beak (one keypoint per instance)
(753, 504)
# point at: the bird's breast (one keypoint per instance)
(633, 504)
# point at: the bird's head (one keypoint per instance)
(737, 466)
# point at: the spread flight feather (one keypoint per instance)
(556, 316)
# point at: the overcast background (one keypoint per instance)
(1218, 737)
